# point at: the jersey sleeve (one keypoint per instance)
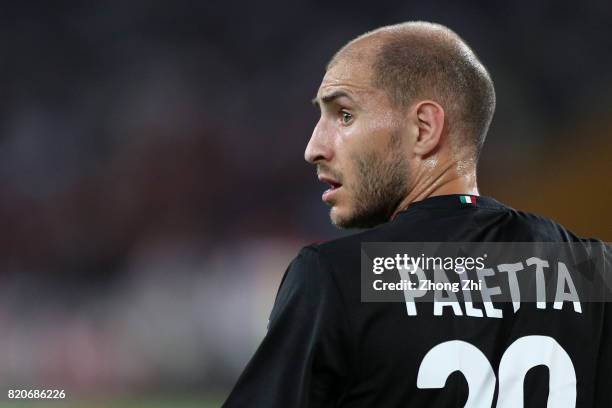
(603, 385)
(303, 361)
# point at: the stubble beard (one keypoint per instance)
(381, 186)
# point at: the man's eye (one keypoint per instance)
(346, 117)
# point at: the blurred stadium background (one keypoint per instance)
(152, 186)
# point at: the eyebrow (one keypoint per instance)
(331, 97)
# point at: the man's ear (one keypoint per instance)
(430, 124)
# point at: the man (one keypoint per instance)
(404, 113)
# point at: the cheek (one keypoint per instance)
(367, 141)
(376, 131)
(382, 121)
(359, 167)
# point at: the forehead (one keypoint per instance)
(350, 73)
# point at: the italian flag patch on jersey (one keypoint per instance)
(467, 199)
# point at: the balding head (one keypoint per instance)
(404, 113)
(417, 60)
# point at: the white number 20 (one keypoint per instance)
(522, 355)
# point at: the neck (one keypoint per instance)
(453, 178)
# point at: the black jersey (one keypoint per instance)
(326, 348)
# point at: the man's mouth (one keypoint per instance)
(333, 187)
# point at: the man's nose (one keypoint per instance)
(318, 148)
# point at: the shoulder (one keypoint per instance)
(327, 267)
(310, 272)
(541, 228)
(340, 259)
(339, 247)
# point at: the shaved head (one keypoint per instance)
(404, 113)
(417, 60)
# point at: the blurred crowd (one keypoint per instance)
(152, 185)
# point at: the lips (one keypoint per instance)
(334, 185)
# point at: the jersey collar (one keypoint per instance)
(455, 201)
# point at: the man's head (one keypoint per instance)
(399, 106)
